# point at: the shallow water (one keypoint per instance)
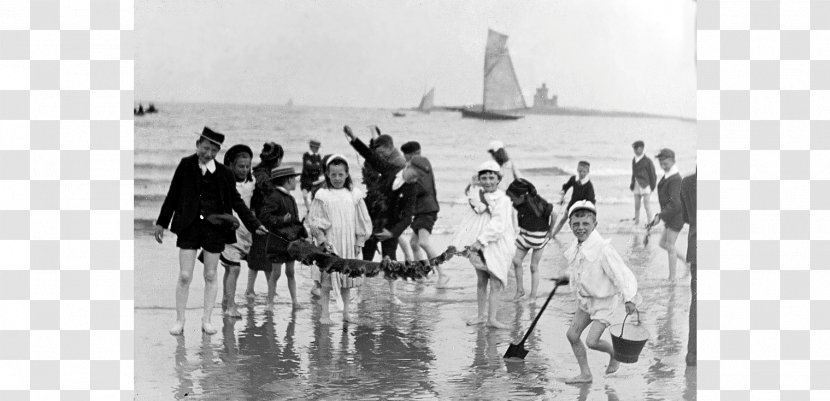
(419, 350)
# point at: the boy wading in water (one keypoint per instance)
(536, 218)
(600, 281)
(312, 170)
(238, 159)
(200, 189)
(583, 189)
(643, 181)
(668, 191)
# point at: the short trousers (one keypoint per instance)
(528, 240)
(424, 221)
(237, 252)
(601, 309)
(201, 234)
(638, 190)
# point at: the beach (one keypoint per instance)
(421, 349)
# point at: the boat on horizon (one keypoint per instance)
(398, 114)
(427, 102)
(502, 93)
(151, 108)
(289, 103)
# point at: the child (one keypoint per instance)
(426, 211)
(270, 158)
(506, 165)
(339, 221)
(238, 159)
(312, 170)
(279, 213)
(536, 222)
(583, 189)
(600, 281)
(488, 231)
(668, 193)
(643, 180)
(200, 189)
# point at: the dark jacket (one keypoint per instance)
(378, 176)
(580, 192)
(643, 173)
(271, 211)
(181, 205)
(401, 208)
(668, 190)
(264, 186)
(312, 167)
(427, 200)
(688, 209)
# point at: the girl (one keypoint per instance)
(271, 158)
(340, 222)
(488, 231)
(536, 222)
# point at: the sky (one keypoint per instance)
(631, 55)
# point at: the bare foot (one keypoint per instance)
(497, 324)
(315, 292)
(270, 306)
(250, 296)
(326, 320)
(442, 282)
(580, 379)
(347, 318)
(233, 312)
(207, 328)
(519, 295)
(177, 329)
(396, 300)
(613, 366)
(478, 320)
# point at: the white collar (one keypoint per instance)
(209, 166)
(585, 180)
(283, 190)
(398, 181)
(640, 157)
(591, 247)
(672, 171)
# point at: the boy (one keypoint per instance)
(238, 159)
(280, 214)
(688, 207)
(600, 281)
(668, 192)
(583, 189)
(200, 189)
(643, 181)
(426, 212)
(312, 170)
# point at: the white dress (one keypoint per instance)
(341, 216)
(492, 225)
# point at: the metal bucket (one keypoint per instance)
(628, 340)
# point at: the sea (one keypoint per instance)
(546, 148)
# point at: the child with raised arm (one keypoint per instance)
(536, 222)
(600, 282)
(339, 221)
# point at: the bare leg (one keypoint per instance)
(307, 199)
(560, 224)
(415, 243)
(423, 240)
(647, 205)
(225, 287)
(272, 282)
(187, 261)
(250, 295)
(405, 248)
(637, 208)
(229, 295)
(518, 258)
(325, 317)
(481, 297)
(292, 284)
(495, 291)
(534, 271)
(345, 293)
(211, 288)
(595, 343)
(667, 242)
(580, 321)
(395, 299)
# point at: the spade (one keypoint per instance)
(518, 351)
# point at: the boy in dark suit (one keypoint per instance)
(668, 192)
(202, 190)
(688, 208)
(643, 181)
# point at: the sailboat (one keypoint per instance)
(501, 87)
(289, 103)
(427, 102)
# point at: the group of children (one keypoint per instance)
(400, 194)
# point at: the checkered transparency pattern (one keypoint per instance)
(764, 161)
(66, 211)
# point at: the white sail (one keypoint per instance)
(501, 87)
(427, 101)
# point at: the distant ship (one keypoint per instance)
(151, 108)
(427, 102)
(289, 103)
(501, 87)
(398, 114)
(139, 111)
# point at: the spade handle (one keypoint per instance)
(538, 315)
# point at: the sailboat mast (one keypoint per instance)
(484, 81)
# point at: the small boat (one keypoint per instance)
(151, 108)
(501, 87)
(427, 101)
(289, 103)
(139, 111)
(398, 114)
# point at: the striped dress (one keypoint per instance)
(533, 229)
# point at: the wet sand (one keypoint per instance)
(419, 350)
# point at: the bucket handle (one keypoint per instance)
(626, 317)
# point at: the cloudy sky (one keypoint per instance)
(635, 55)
